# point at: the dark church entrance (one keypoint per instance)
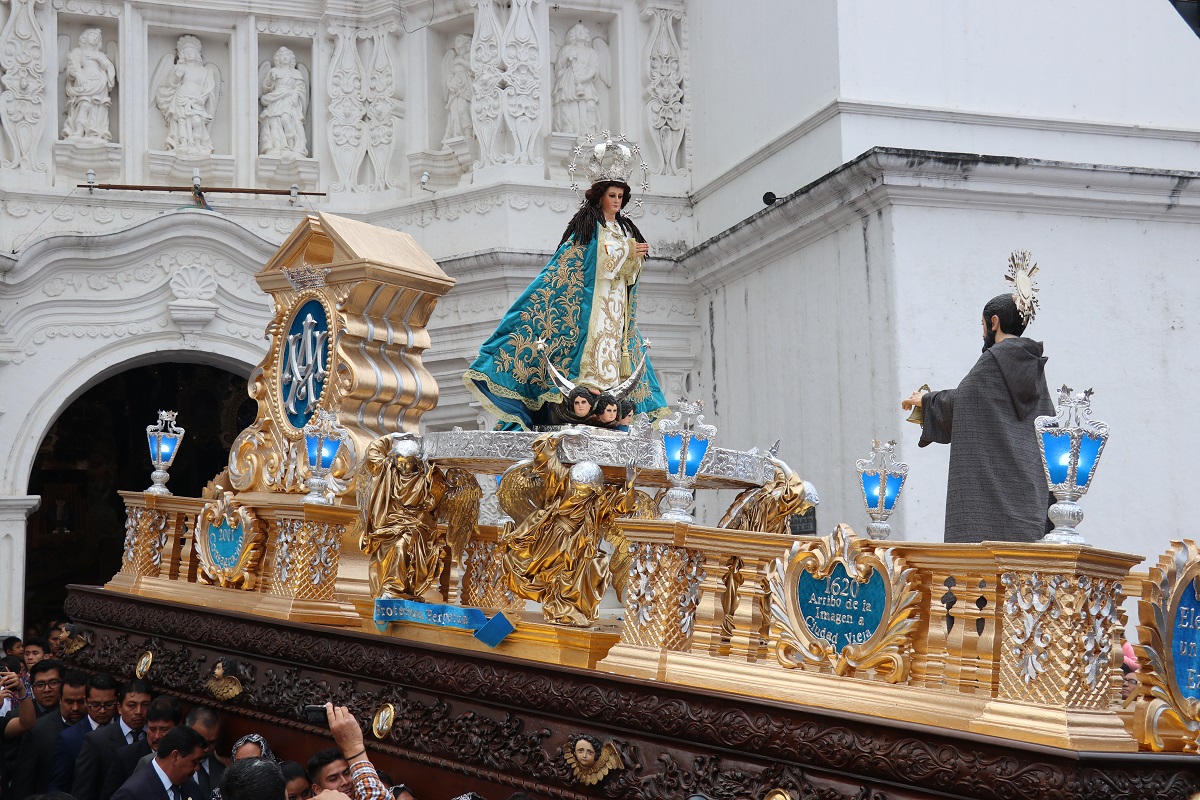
(97, 446)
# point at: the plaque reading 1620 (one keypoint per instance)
(840, 609)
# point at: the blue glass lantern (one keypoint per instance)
(163, 437)
(882, 478)
(323, 438)
(1071, 444)
(685, 440)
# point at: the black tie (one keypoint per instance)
(176, 793)
(136, 736)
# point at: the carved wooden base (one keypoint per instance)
(485, 722)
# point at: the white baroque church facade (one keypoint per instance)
(912, 147)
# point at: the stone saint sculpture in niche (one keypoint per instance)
(589, 761)
(284, 100)
(186, 94)
(456, 67)
(581, 61)
(90, 77)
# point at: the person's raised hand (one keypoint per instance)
(346, 733)
(330, 794)
(913, 400)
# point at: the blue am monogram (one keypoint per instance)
(305, 362)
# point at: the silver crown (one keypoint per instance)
(306, 276)
(610, 159)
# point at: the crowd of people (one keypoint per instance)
(65, 735)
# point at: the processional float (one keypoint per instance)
(335, 512)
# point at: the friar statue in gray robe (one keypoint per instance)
(997, 488)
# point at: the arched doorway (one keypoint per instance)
(97, 446)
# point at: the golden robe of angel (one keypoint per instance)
(553, 556)
(399, 529)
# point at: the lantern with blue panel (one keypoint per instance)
(882, 478)
(163, 437)
(685, 440)
(1071, 444)
(323, 437)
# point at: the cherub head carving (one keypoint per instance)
(589, 761)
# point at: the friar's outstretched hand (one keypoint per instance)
(913, 400)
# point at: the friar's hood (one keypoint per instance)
(1023, 367)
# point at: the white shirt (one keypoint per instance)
(162, 776)
(92, 722)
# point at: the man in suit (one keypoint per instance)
(100, 746)
(101, 708)
(207, 723)
(35, 757)
(169, 776)
(163, 715)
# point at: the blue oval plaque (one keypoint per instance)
(839, 609)
(1185, 650)
(305, 362)
(225, 544)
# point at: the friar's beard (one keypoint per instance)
(989, 339)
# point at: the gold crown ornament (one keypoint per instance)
(609, 159)
(1025, 291)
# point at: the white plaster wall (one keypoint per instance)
(876, 286)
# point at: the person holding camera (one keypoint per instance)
(346, 768)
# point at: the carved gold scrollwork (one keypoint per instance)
(886, 649)
(1166, 717)
(229, 543)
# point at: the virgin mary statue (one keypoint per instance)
(581, 310)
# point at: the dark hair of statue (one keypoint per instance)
(603, 402)
(583, 225)
(1004, 308)
(580, 391)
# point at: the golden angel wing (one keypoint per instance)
(610, 759)
(521, 491)
(644, 506)
(459, 509)
(622, 560)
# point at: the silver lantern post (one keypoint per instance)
(685, 440)
(323, 437)
(1071, 443)
(881, 477)
(163, 437)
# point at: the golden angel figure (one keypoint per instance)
(401, 497)
(768, 508)
(554, 556)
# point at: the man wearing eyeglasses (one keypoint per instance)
(101, 708)
(42, 685)
(35, 757)
(100, 747)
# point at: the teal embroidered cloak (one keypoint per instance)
(509, 376)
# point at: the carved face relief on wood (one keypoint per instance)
(590, 761)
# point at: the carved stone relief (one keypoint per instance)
(88, 82)
(362, 108)
(456, 76)
(582, 63)
(665, 113)
(284, 99)
(186, 90)
(22, 101)
(487, 72)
